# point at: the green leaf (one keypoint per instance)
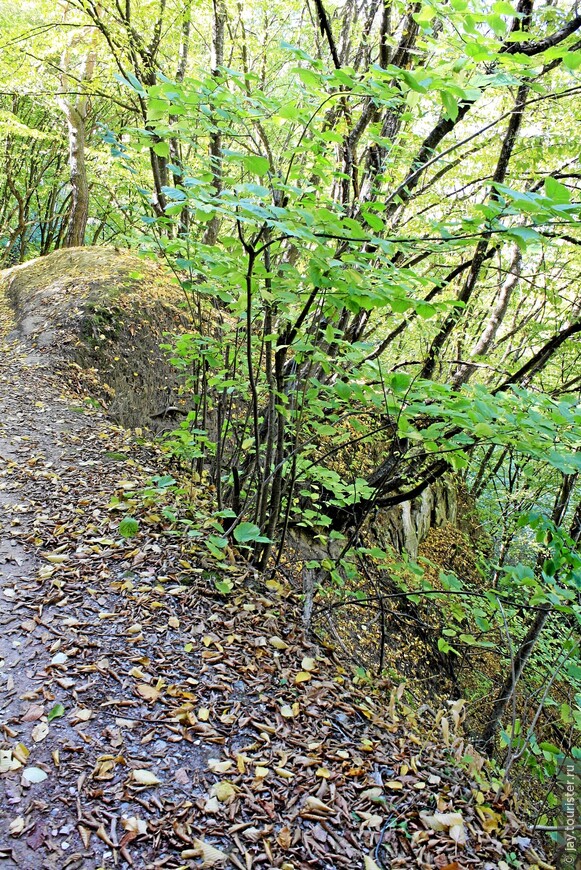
(174, 193)
(55, 712)
(224, 586)
(257, 165)
(504, 8)
(425, 15)
(161, 149)
(248, 533)
(572, 59)
(450, 104)
(556, 191)
(128, 527)
(309, 78)
(343, 390)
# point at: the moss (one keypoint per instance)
(107, 311)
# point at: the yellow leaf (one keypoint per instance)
(308, 664)
(286, 711)
(394, 784)
(278, 643)
(219, 766)
(56, 558)
(21, 753)
(369, 863)
(209, 854)
(150, 693)
(302, 677)
(314, 805)
(261, 772)
(282, 771)
(145, 777)
(223, 790)
(323, 772)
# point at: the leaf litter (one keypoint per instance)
(151, 722)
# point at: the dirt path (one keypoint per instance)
(148, 721)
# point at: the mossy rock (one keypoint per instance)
(107, 311)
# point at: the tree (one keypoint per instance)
(76, 114)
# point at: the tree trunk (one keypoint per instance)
(559, 510)
(75, 111)
(79, 212)
(213, 228)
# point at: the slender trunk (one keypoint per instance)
(482, 248)
(464, 372)
(510, 683)
(213, 228)
(560, 506)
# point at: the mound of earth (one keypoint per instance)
(107, 311)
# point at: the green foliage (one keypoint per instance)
(128, 527)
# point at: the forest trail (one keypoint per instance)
(150, 722)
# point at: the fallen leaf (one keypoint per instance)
(5, 760)
(21, 753)
(303, 677)
(217, 766)
(39, 732)
(261, 772)
(223, 790)
(33, 775)
(284, 837)
(34, 712)
(16, 826)
(150, 693)
(55, 712)
(278, 643)
(212, 805)
(134, 825)
(209, 854)
(145, 777)
(314, 805)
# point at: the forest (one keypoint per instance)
(368, 213)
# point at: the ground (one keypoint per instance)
(147, 720)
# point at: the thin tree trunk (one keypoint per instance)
(213, 228)
(522, 656)
(464, 372)
(482, 247)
